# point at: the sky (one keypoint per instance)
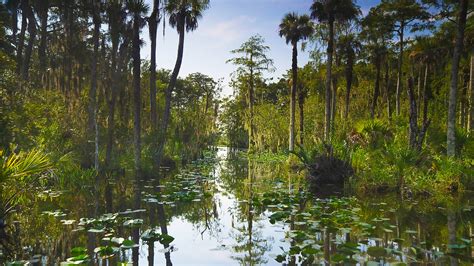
(224, 27)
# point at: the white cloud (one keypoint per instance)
(229, 30)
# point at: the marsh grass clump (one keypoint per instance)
(324, 166)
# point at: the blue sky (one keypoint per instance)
(224, 26)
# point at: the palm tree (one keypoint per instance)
(153, 20)
(401, 15)
(183, 16)
(376, 32)
(348, 46)
(116, 19)
(330, 12)
(294, 28)
(137, 8)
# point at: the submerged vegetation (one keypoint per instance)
(361, 155)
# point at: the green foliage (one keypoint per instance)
(19, 172)
(375, 132)
(23, 166)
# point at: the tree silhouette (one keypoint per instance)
(294, 28)
(330, 12)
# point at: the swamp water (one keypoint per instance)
(227, 210)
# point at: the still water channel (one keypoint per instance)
(228, 210)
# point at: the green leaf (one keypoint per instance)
(77, 251)
(165, 239)
(377, 252)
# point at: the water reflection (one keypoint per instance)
(213, 209)
(251, 244)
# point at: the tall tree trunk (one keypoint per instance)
(387, 88)
(25, 68)
(294, 70)
(417, 133)
(376, 86)
(327, 124)
(43, 14)
(136, 124)
(451, 132)
(92, 105)
(335, 80)
(21, 37)
(400, 64)
(464, 100)
(425, 95)
(168, 93)
(348, 73)
(153, 27)
(251, 99)
(333, 102)
(471, 90)
(419, 92)
(413, 113)
(116, 68)
(14, 25)
(68, 58)
(136, 96)
(301, 98)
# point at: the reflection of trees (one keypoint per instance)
(251, 244)
(158, 210)
(433, 225)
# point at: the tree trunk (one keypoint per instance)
(387, 88)
(136, 126)
(14, 25)
(168, 93)
(21, 37)
(416, 134)
(333, 102)
(43, 14)
(153, 26)
(419, 93)
(92, 107)
(377, 86)
(349, 73)
(471, 89)
(413, 114)
(327, 124)
(251, 100)
(68, 59)
(425, 96)
(400, 64)
(464, 100)
(451, 132)
(25, 68)
(334, 92)
(301, 98)
(136, 96)
(115, 80)
(294, 70)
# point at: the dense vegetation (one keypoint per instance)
(390, 94)
(385, 104)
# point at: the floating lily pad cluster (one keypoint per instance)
(186, 186)
(336, 230)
